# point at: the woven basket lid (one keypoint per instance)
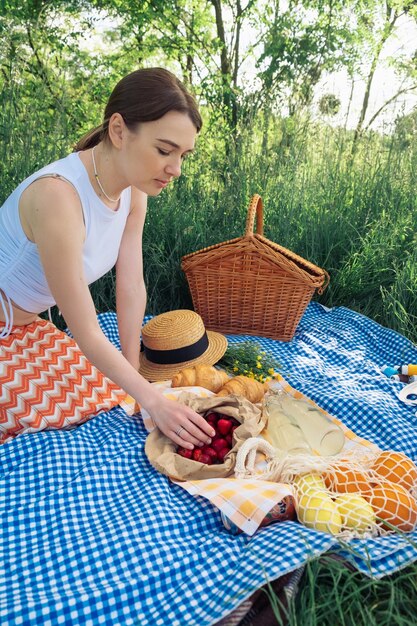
(177, 339)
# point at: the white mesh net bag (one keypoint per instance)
(351, 494)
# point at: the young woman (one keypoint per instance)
(69, 223)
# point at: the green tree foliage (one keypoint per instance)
(43, 89)
(202, 39)
(329, 104)
(54, 80)
(377, 26)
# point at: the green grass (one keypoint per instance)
(330, 594)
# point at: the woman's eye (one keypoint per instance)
(163, 152)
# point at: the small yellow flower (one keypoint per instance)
(271, 371)
(259, 366)
(258, 358)
(235, 369)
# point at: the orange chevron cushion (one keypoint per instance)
(46, 382)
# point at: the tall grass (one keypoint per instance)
(34, 131)
(330, 594)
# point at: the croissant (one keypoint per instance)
(250, 388)
(205, 376)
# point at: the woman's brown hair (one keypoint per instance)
(145, 95)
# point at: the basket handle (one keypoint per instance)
(255, 208)
(325, 283)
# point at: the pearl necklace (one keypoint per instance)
(98, 180)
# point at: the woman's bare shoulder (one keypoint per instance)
(47, 199)
(49, 186)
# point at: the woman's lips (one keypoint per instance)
(161, 183)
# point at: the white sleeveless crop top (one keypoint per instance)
(22, 278)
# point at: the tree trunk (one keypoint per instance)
(391, 18)
(225, 64)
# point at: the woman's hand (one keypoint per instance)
(182, 425)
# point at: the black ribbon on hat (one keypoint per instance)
(176, 355)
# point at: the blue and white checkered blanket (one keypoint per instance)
(92, 534)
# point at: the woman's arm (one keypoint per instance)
(130, 286)
(56, 223)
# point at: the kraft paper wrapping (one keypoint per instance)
(161, 451)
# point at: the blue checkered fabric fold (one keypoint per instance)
(91, 534)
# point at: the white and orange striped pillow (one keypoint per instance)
(46, 382)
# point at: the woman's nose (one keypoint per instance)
(174, 168)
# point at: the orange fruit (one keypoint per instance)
(347, 480)
(397, 468)
(394, 504)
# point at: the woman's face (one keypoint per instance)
(152, 156)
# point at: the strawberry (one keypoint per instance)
(205, 458)
(211, 418)
(218, 444)
(197, 454)
(224, 426)
(222, 453)
(187, 454)
(210, 452)
(229, 439)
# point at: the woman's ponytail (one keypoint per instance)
(92, 138)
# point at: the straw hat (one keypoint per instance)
(177, 339)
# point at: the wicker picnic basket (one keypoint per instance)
(250, 285)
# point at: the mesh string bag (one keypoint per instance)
(348, 494)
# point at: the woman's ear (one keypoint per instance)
(117, 129)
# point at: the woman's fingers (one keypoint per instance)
(184, 426)
(184, 439)
(189, 431)
(202, 425)
(189, 434)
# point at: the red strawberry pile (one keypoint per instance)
(221, 443)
